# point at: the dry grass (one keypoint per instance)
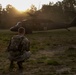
(53, 53)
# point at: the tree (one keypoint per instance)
(33, 9)
(51, 3)
(68, 8)
(0, 12)
(69, 4)
(12, 12)
(0, 7)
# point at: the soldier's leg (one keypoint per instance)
(20, 65)
(11, 65)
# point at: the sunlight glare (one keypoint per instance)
(23, 5)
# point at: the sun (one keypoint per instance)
(21, 9)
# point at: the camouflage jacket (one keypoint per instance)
(19, 55)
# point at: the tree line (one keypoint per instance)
(60, 11)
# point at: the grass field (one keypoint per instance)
(53, 53)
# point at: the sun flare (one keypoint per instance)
(23, 5)
(21, 9)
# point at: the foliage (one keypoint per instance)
(9, 16)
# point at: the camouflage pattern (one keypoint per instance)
(20, 55)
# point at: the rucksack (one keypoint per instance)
(15, 44)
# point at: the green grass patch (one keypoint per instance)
(52, 62)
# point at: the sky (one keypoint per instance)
(25, 4)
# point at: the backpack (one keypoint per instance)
(15, 44)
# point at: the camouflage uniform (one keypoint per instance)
(20, 55)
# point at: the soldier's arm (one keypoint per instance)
(8, 47)
(7, 50)
(26, 46)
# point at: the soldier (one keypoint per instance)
(18, 49)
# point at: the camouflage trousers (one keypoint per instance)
(17, 56)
